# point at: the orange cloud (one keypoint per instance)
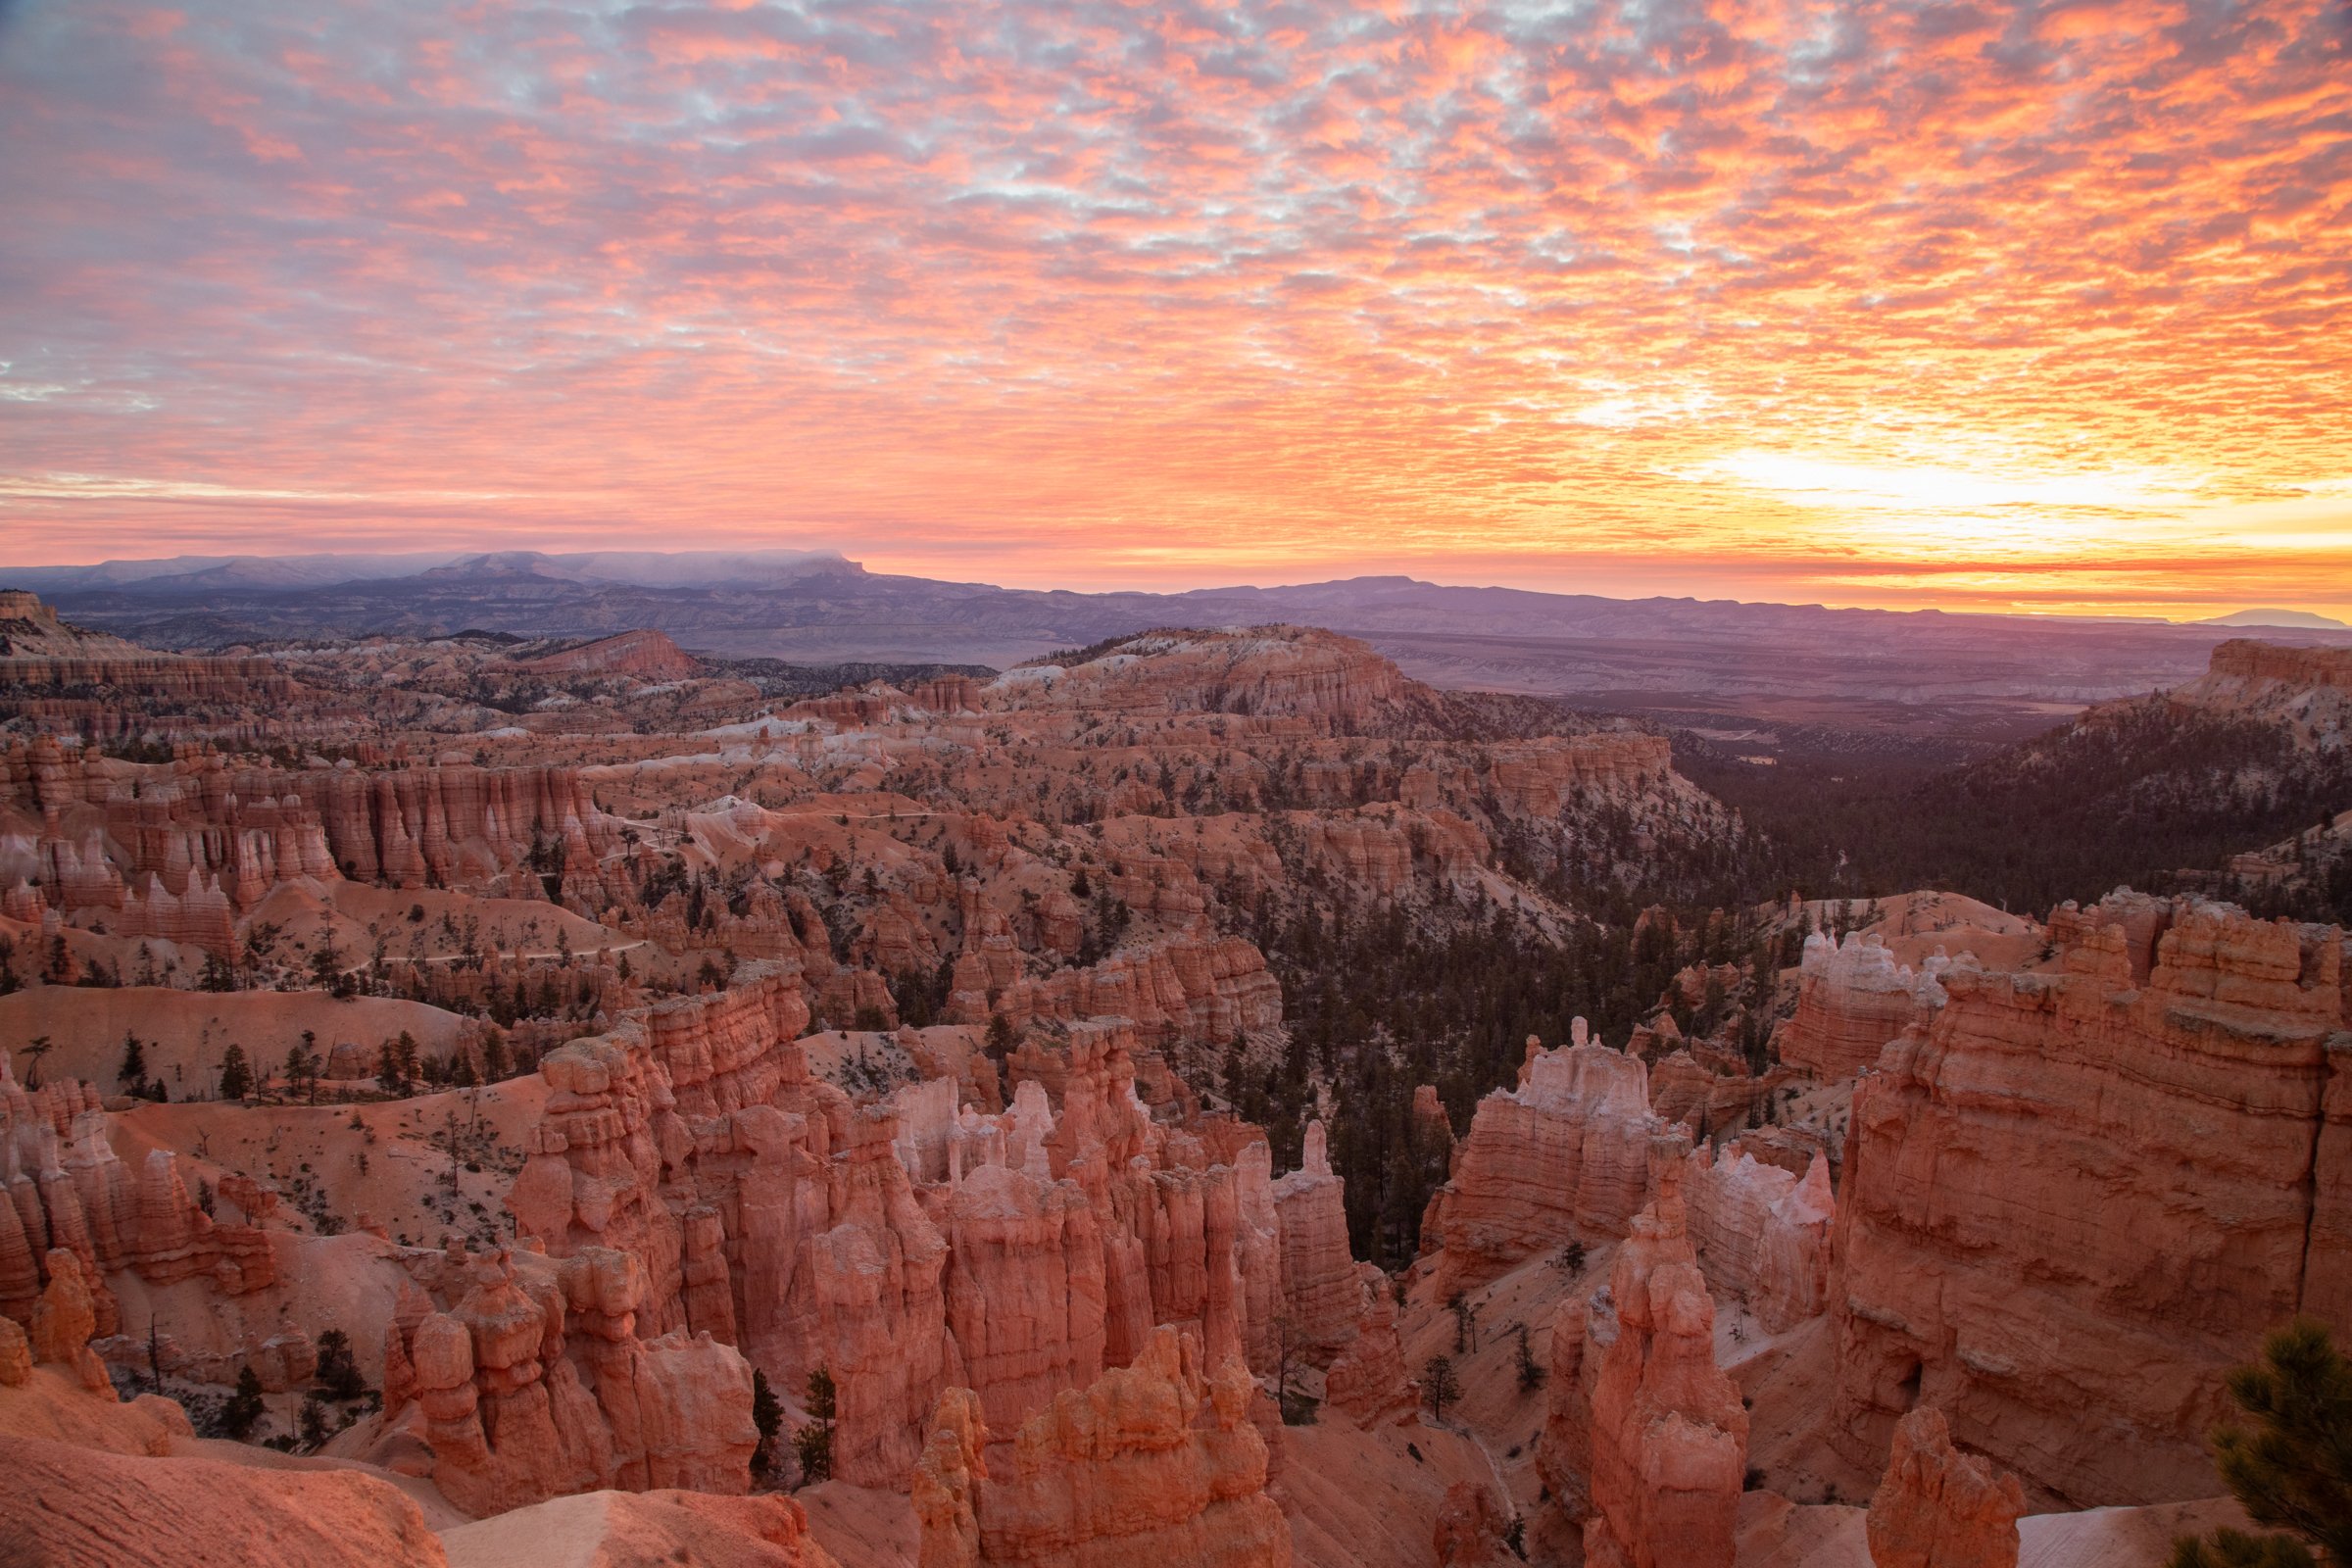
(1876, 303)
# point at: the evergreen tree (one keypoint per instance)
(1532, 1372)
(244, 1407)
(2292, 1466)
(1440, 1386)
(339, 1376)
(767, 1414)
(236, 1078)
(813, 1444)
(133, 1071)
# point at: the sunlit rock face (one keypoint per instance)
(2082, 1194)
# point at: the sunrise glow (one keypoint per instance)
(2035, 306)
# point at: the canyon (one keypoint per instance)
(507, 1094)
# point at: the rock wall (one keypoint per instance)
(2086, 1192)
(908, 1246)
(534, 1384)
(1853, 997)
(1367, 1380)
(1154, 1462)
(67, 1191)
(1567, 1152)
(1762, 1234)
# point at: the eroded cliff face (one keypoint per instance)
(1158, 1461)
(1319, 1287)
(1568, 1152)
(1853, 997)
(1762, 1234)
(68, 1191)
(534, 1383)
(913, 1243)
(1646, 1439)
(2082, 1194)
(181, 852)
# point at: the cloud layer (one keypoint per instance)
(1893, 303)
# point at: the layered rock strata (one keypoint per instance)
(1853, 997)
(1568, 1152)
(2086, 1192)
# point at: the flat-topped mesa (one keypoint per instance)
(1940, 1508)
(1851, 999)
(1567, 1152)
(2084, 1192)
(1154, 1462)
(644, 655)
(1297, 672)
(61, 678)
(2309, 690)
(1645, 1437)
(534, 1384)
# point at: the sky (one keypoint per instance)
(2041, 306)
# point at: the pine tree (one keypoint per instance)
(1532, 1372)
(1440, 1386)
(134, 1070)
(2292, 1466)
(244, 1407)
(767, 1414)
(813, 1442)
(236, 1078)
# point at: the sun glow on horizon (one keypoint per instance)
(1885, 303)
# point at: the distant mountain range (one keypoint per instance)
(1682, 660)
(2302, 618)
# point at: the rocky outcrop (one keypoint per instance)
(1567, 1152)
(1367, 1380)
(2308, 689)
(2086, 1192)
(640, 654)
(1940, 1508)
(67, 1189)
(1319, 1287)
(1470, 1529)
(642, 1530)
(1154, 1461)
(1193, 987)
(1645, 1437)
(1762, 1235)
(534, 1384)
(1270, 672)
(1853, 997)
